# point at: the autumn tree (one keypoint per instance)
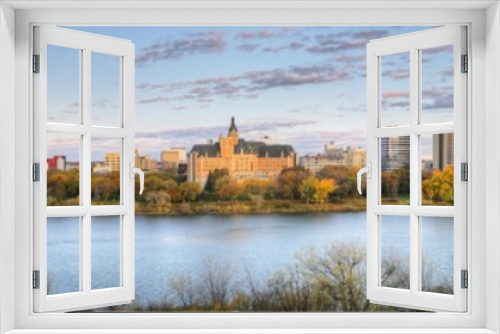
(190, 191)
(212, 178)
(290, 181)
(439, 187)
(308, 188)
(227, 187)
(322, 189)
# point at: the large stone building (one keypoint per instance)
(243, 159)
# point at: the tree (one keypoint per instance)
(290, 181)
(190, 191)
(227, 187)
(323, 189)
(212, 178)
(439, 187)
(308, 188)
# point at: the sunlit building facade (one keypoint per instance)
(243, 159)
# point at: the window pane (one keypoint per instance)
(63, 164)
(63, 85)
(437, 254)
(105, 187)
(395, 89)
(105, 90)
(437, 169)
(395, 251)
(395, 174)
(105, 250)
(63, 255)
(437, 84)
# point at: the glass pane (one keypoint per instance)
(63, 174)
(395, 174)
(437, 84)
(63, 255)
(105, 187)
(105, 250)
(105, 90)
(395, 89)
(395, 251)
(437, 254)
(63, 85)
(437, 169)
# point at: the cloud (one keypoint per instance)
(171, 49)
(249, 84)
(343, 58)
(158, 140)
(153, 100)
(291, 46)
(437, 98)
(396, 74)
(248, 47)
(396, 95)
(262, 34)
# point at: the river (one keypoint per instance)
(169, 246)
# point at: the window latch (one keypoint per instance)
(368, 171)
(465, 64)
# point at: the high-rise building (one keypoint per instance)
(395, 152)
(442, 150)
(243, 159)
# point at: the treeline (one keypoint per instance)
(332, 184)
(332, 279)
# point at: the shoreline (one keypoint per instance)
(249, 207)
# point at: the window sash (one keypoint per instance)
(85, 298)
(413, 43)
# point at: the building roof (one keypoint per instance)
(258, 148)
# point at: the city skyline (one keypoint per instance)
(302, 86)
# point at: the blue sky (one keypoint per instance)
(303, 86)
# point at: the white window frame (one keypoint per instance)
(412, 44)
(483, 314)
(86, 44)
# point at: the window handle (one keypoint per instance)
(139, 171)
(368, 171)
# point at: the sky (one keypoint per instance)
(303, 86)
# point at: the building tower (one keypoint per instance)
(228, 143)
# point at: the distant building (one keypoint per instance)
(395, 152)
(442, 150)
(58, 162)
(112, 160)
(170, 159)
(100, 168)
(334, 156)
(243, 159)
(72, 165)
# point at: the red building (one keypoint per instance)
(58, 162)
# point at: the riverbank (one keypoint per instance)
(250, 207)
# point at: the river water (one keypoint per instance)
(169, 246)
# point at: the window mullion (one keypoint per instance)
(414, 170)
(85, 170)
